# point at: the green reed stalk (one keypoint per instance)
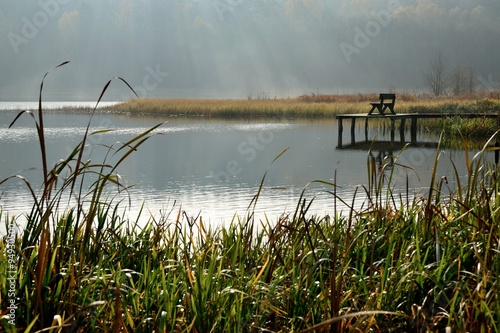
(43, 243)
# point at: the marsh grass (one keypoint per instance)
(315, 106)
(398, 263)
(289, 108)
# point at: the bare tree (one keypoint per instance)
(463, 79)
(471, 80)
(457, 79)
(435, 77)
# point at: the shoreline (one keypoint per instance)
(313, 107)
(306, 106)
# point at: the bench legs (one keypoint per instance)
(390, 109)
(381, 107)
(377, 106)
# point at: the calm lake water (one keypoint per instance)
(211, 168)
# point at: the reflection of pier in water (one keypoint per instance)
(381, 151)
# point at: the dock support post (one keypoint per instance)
(393, 125)
(402, 130)
(341, 129)
(413, 130)
(366, 129)
(353, 128)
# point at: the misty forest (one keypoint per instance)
(229, 49)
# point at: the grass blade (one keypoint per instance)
(323, 325)
(40, 129)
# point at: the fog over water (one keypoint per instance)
(236, 48)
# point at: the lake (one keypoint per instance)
(211, 167)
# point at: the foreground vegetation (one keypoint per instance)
(400, 263)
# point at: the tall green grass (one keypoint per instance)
(398, 263)
(54, 228)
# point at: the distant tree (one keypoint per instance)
(471, 79)
(435, 77)
(463, 79)
(457, 79)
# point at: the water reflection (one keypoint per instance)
(214, 167)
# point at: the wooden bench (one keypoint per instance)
(386, 101)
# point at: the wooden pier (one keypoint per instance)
(402, 118)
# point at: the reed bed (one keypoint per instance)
(290, 108)
(315, 106)
(326, 107)
(458, 129)
(399, 263)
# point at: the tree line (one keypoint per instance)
(462, 79)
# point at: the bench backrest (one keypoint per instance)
(387, 96)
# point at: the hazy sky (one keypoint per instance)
(236, 48)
